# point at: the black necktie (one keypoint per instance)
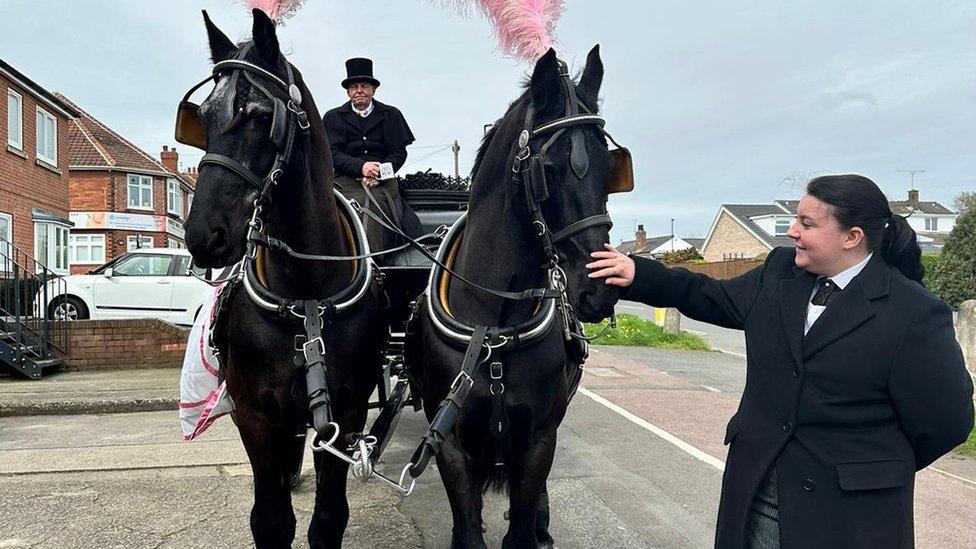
(826, 290)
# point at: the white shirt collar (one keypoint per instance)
(844, 278)
(365, 112)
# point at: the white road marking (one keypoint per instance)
(948, 474)
(641, 422)
(712, 389)
(740, 355)
(695, 332)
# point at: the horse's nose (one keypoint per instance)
(217, 240)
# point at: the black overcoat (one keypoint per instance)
(382, 136)
(847, 414)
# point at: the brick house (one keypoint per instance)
(121, 198)
(745, 231)
(656, 246)
(34, 201)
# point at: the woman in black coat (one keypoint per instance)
(854, 381)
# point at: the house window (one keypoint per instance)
(140, 192)
(173, 243)
(47, 137)
(87, 249)
(15, 120)
(189, 203)
(51, 247)
(174, 198)
(931, 223)
(138, 242)
(6, 237)
(782, 226)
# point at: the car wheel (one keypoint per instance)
(70, 308)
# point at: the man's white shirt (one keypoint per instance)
(365, 112)
(841, 280)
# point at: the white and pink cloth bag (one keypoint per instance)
(203, 398)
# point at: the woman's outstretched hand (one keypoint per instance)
(615, 267)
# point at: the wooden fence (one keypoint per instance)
(721, 269)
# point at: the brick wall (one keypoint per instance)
(729, 238)
(23, 182)
(120, 344)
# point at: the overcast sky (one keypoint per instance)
(720, 102)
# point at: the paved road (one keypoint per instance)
(638, 465)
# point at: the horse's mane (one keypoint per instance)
(516, 110)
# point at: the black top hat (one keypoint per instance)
(359, 69)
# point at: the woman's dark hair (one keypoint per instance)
(856, 201)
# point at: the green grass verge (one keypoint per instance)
(969, 447)
(637, 332)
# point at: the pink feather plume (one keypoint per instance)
(277, 10)
(523, 28)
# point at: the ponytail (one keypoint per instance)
(856, 201)
(900, 248)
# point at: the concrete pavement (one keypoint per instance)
(638, 465)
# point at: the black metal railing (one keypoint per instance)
(33, 300)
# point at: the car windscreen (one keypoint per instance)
(143, 265)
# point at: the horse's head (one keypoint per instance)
(243, 125)
(569, 171)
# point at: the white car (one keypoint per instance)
(145, 283)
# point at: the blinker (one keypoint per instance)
(622, 172)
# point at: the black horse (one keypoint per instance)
(256, 122)
(538, 207)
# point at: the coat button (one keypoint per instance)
(808, 484)
(787, 425)
(796, 372)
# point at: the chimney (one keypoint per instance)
(191, 173)
(170, 159)
(913, 198)
(641, 244)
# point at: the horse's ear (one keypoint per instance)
(265, 38)
(221, 47)
(592, 78)
(545, 85)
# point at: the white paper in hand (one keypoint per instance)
(386, 170)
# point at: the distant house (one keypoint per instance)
(121, 197)
(655, 246)
(33, 172)
(751, 230)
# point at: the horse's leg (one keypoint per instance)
(527, 486)
(272, 516)
(542, 535)
(464, 494)
(331, 513)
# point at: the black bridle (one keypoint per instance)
(528, 168)
(288, 120)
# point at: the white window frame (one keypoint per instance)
(18, 142)
(776, 225)
(57, 238)
(931, 223)
(6, 245)
(174, 244)
(189, 202)
(174, 198)
(86, 240)
(130, 242)
(41, 147)
(141, 183)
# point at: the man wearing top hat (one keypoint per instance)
(364, 134)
